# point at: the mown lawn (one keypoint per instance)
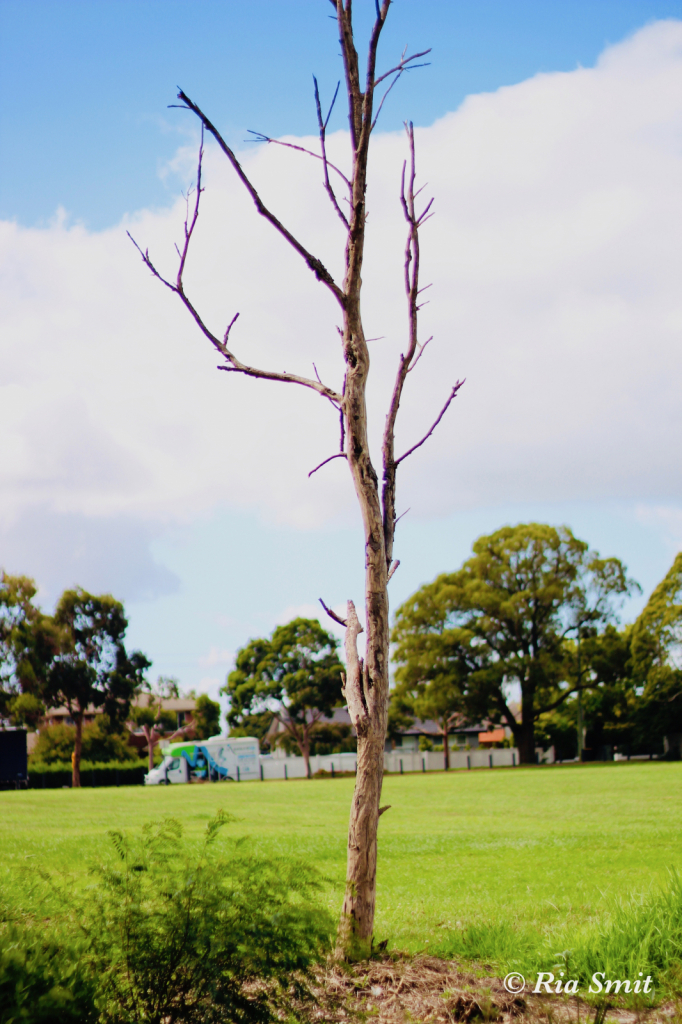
(538, 847)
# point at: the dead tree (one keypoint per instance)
(366, 682)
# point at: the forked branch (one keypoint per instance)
(409, 359)
(221, 344)
(453, 394)
(332, 615)
(316, 265)
(322, 126)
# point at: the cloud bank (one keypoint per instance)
(555, 256)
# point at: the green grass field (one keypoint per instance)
(540, 850)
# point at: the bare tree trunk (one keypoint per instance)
(149, 735)
(446, 748)
(367, 682)
(526, 743)
(305, 750)
(527, 731)
(77, 747)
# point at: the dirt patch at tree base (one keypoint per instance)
(399, 989)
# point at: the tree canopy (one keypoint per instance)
(92, 668)
(29, 641)
(505, 618)
(294, 677)
(657, 656)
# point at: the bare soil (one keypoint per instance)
(397, 989)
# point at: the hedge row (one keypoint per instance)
(112, 773)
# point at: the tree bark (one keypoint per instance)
(526, 742)
(77, 747)
(305, 750)
(446, 749)
(367, 682)
(366, 691)
(151, 738)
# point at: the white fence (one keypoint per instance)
(396, 761)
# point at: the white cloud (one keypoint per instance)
(211, 685)
(666, 516)
(216, 656)
(556, 258)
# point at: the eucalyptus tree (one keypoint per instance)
(366, 682)
(92, 669)
(293, 678)
(506, 618)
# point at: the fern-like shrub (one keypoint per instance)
(45, 977)
(168, 933)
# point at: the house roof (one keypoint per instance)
(167, 703)
(341, 716)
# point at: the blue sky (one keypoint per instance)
(85, 127)
(86, 84)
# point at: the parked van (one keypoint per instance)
(219, 758)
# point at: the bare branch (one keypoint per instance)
(409, 358)
(317, 267)
(383, 99)
(322, 126)
(235, 365)
(356, 683)
(386, 807)
(402, 66)
(393, 569)
(339, 455)
(421, 348)
(398, 518)
(426, 436)
(334, 616)
(260, 137)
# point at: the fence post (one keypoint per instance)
(401, 766)
(468, 762)
(261, 773)
(286, 774)
(238, 779)
(423, 764)
(513, 759)
(332, 769)
(490, 760)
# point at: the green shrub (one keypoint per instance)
(45, 978)
(55, 744)
(169, 932)
(56, 775)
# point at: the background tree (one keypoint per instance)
(607, 709)
(432, 663)
(657, 660)
(168, 687)
(206, 720)
(295, 677)
(148, 714)
(366, 685)
(29, 641)
(92, 669)
(400, 716)
(505, 616)
(100, 743)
